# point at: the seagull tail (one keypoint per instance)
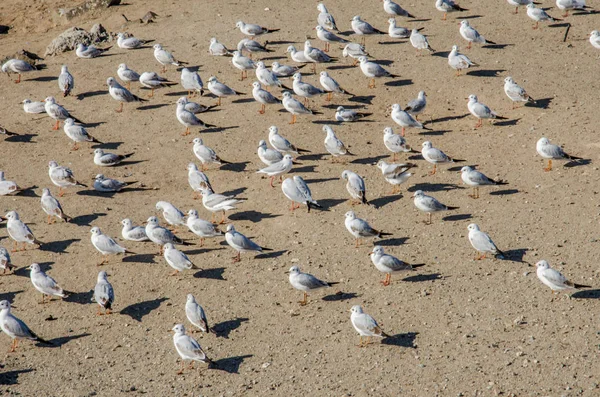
(42, 341)
(38, 242)
(138, 99)
(500, 182)
(575, 285)
(65, 217)
(95, 140)
(206, 125)
(266, 249)
(457, 160)
(574, 157)
(415, 266)
(501, 118)
(380, 234)
(130, 252)
(490, 42)
(331, 283)
(430, 49)
(310, 205)
(449, 208)
(80, 184)
(530, 99)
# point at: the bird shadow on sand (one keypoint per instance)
(28, 192)
(273, 58)
(340, 67)
(252, 216)
(587, 294)
(129, 162)
(139, 310)
(496, 46)
(340, 296)
(366, 99)
(392, 242)
(393, 42)
(199, 251)
(419, 278)
(542, 103)
(441, 54)
(212, 274)
(311, 157)
(398, 83)
(92, 125)
(82, 298)
(505, 192)
(9, 296)
(320, 180)
(486, 72)
(139, 258)
(95, 193)
(577, 163)
(235, 192)
(434, 187)
(401, 340)
(224, 328)
(434, 133)
(90, 94)
(304, 169)
(382, 201)
(63, 340)
(506, 123)
(515, 255)
(235, 167)
(446, 118)
(59, 246)
(271, 255)
(368, 160)
(220, 129)
(22, 138)
(151, 107)
(24, 271)
(230, 365)
(107, 145)
(330, 203)
(44, 78)
(470, 17)
(335, 106)
(179, 93)
(458, 217)
(12, 377)
(243, 100)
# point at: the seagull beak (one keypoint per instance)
(369, 254)
(287, 272)
(295, 162)
(13, 306)
(2, 218)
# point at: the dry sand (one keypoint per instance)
(461, 327)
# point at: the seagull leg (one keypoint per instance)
(180, 372)
(56, 126)
(387, 280)
(549, 168)
(516, 10)
(304, 301)
(75, 146)
(60, 192)
(43, 299)
(174, 273)
(187, 132)
(355, 62)
(434, 170)
(403, 131)
(120, 109)
(428, 219)
(394, 157)
(329, 96)
(292, 207)
(13, 346)
(237, 258)
(219, 101)
(360, 342)
(314, 68)
(129, 85)
(293, 119)
(479, 123)
(18, 80)
(566, 14)
(469, 45)
(222, 218)
(151, 93)
(262, 109)
(477, 191)
(536, 25)
(272, 181)
(444, 17)
(98, 312)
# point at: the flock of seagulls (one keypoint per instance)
(278, 159)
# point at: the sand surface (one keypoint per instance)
(459, 326)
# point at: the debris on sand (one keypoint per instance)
(70, 38)
(87, 5)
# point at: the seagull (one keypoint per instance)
(66, 82)
(127, 75)
(205, 154)
(419, 41)
(396, 143)
(539, 15)
(121, 94)
(363, 28)
(57, 112)
(77, 133)
(518, 3)
(17, 66)
(359, 228)
(458, 61)
(285, 70)
(297, 56)
(106, 245)
(171, 214)
(251, 46)
(89, 52)
(5, 263)
(15, 328)
(188, 348)
(567, 5)
(218, 202)
(417, 106)
(305, 90)
(373, 70)
(44, 283)
(195, 107)
(355, 51)
(515, 92)
(217, 49)
(195, 315)
(436, 156)
(278, 169)
(19, 232)
(474, 178)
(219, 89)
(108, 185)
(177, 259)
(552, 152)
(355, 186)
(52, 207)
(165, 58)
(365, 325)
(481, 111)
(187, 118)
(306, 283)
(397, 32)
(298, 191)
(328, 37)
(201, 228)
(129, 42)
(295, 107)
(267, 77)
(152, 80)
(62, 177)
(104, 294)
(389, 264)
(470, 34)
(192, 82)
(242, 63)
(325, 19)
(109, 159)
(553, 278)
(349, 115)
(33, 107)
(395, 174)
(595, 39)
(334, 145)
(429, 204)
(404, 119)
(133, 233)
(160, 235)
(331, 86)
(197, 178)
(252, 30)
(241, 243)
(482, 242)
(447, 6)
(315, 55)
(7, 187)
(263, 97)
(267, 155)
(281, 144)
(394, 9)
